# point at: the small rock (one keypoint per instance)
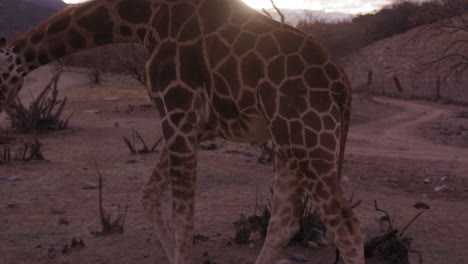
(65, 249)
(211, 146)
(201, 238)
(311, 244)
(63, 221)
(426, 181)
(441, 188)
(75, 243)
(89, 186)
(13, 178)
(112, 98)
(251, 245)
(392, 180)
(364, 178)
(91, 111)
(344, 179)
(116, 124)
(420, 205)
(299, 258)
(12, 205)
(443, 178)
(205, 254)
(424, 195)
(325, 242)
(283, 261)
(57, 211)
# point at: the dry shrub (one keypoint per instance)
(392, 247)
(131, 144)
(44, 114)
(311, 227)
(30, 150)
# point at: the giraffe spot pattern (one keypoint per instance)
(180, 13)
(267, 47)
(244, 43)
(315, 77)
(60, 25)
(276, 70)
(212, 21)
(252, 70)
(76, 40)
(135, 12)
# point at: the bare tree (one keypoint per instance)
(452, 61)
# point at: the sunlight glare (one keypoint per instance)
(344, 6)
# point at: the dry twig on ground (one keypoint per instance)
(108, 225)
(145, 149)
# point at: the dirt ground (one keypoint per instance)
(399, 152)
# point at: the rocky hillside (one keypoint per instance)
(54, 4)
(404, 65)
(16, 17)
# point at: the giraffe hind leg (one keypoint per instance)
(151, 198)
(285, 211)
(336, 214)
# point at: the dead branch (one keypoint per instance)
(410, 223)
(388, 218)
(278, 11)
(267, 13)
(108, 226)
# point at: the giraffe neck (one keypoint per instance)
(80, 27)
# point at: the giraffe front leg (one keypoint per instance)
(285, 212)
(183, 205)
(182, 142)
(151, 198)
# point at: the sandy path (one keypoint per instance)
(394, 136)
(385, 146)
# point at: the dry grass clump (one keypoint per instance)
(392, 246)
(44, 114)
(109, 225)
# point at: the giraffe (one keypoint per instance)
(218, 69)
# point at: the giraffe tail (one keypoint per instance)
(343, 97)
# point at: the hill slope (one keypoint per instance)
(16, 17)
(404, 56)
(54, 4)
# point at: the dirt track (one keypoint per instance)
(394, 147)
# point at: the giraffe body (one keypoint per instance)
(219, 69)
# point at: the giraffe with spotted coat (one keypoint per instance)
(218, 69)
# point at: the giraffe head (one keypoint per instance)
(11, 76)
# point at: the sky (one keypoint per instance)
(345, 6)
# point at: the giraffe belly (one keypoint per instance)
(251, 129)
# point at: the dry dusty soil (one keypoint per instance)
(398, 153)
